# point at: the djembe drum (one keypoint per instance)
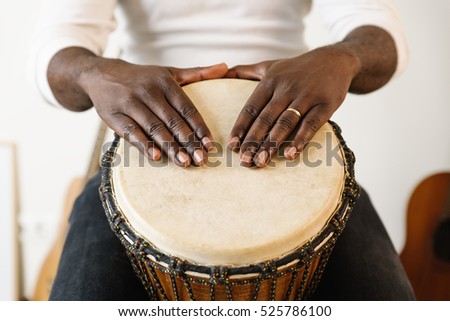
(226, 232)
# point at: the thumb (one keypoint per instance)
(186, 76)
(253, 72)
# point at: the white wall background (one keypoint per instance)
(400, 134)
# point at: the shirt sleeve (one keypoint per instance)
(63, 24)
(343, 16)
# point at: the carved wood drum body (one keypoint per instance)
(226, 232)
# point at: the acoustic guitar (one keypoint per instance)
(426, 256)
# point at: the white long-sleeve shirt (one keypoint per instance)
(198, 32)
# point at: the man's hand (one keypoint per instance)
(296, 96)
(314, 84)
(143, 104)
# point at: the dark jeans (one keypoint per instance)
(94, 266)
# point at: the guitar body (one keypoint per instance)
(429, 275)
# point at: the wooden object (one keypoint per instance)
(429, 276)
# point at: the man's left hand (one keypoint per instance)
(294, 97)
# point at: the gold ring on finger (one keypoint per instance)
(295, 111)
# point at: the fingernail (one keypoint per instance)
(262, 158)
(247, 157)
(183, 158)
(207, 143)
(155, 154)
(198, 157)
(233, 144)
(290, 152)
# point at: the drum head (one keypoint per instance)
(222, 213)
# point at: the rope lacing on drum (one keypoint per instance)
(158, 285)
(326, 251)
(301, 288)
(140, 245)
(224, 276)
(268, 271)
(214, 276)
(272, 270)
(139, 268)
(291, 282)
(117, 223)
(181, 273)
(173, 273)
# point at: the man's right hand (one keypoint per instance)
(143, 104)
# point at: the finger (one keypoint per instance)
(156, 131)
(186, 76)
(310, 124)
(129, 130)
(178, 128)
(252, 72)
(251, 110)
(187, 111)
(261, 127)
(284, 126)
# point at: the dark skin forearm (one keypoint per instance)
(377, 54)
(64, 73)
